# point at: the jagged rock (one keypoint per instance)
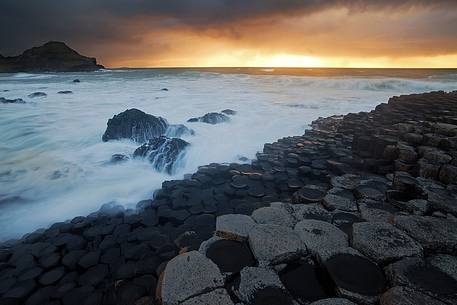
(211, 118)
(273, 244)
(320, 237)
(37, 94)
(162, 152)
(407, 296)
(11, 101)
(234, 226)
(53, 56)
(274, 216)
(136, 125)
(262, 286)
(432, 233)
(382, 242)
(188, 275)
(218, 296)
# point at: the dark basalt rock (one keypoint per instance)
(356, 274)
(308, 195)
(162, 152)
(118, 158)
(230, 256)
(228, 112)
(178, 130)
(65, 92)
(271, 296)
(301, 280)
(211, 118)
(53, 56)
(76, 81)
(11, 101)
(136, 125)
(37, 94)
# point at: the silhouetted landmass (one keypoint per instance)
(53, 56)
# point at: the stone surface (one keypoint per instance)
(234, 226)
(382, 242)
(273, 244)
(320, 236)
(274, 216)
(262, 286)
(333, 301)
(188, 275)
(407, 296)
(211, 118)
(218, 296)
(230, 256)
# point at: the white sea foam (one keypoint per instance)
(53, 162)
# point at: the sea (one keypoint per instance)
(54, 165)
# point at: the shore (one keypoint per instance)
(363, 207)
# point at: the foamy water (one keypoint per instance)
(53, 162)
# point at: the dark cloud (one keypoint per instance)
(99, 26)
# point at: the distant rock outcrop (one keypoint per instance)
(53, 56)
(211, 118)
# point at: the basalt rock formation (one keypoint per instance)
(53, 56)
(345, 214)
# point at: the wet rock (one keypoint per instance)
(65, 92)
(37, 94)
(347, 181)
(136, 125)
(446, 263)
(320, 237)
(229, 111)
(432, 233)
(274, 216)
(262, 286)
(76, 81)
(188, 275)
(332, 202)
(407, 296)
(218, 296)
(162, 152)
(119, 158)
(356, 277)
(273, 244)
(234, 226)
(211, 118)
(382, 242)
(178, 130)
(11, 101)
(229, 255)
(301, 280)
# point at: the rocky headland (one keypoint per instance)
(53, 56)
(361, 209)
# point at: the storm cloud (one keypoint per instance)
(116, 29)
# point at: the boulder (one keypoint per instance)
(162, 152)
(218, 296)
(136, 125)
(273, 244)
(11, 101)
(65, 92)
(406, 296)
(188, 275)
(446, 263)
(228, 112)
(211, 118)
(37, 94)
(382, 242)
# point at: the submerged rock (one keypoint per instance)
(37, 94)
(11, 101)
(118, 158)
(136, 125)
(229, 111)
(178, 130)
(162, 152)
(65, 92)
(211, 118)
(76, 81)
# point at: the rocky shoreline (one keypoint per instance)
(361, 209)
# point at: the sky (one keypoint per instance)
(224, 33)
